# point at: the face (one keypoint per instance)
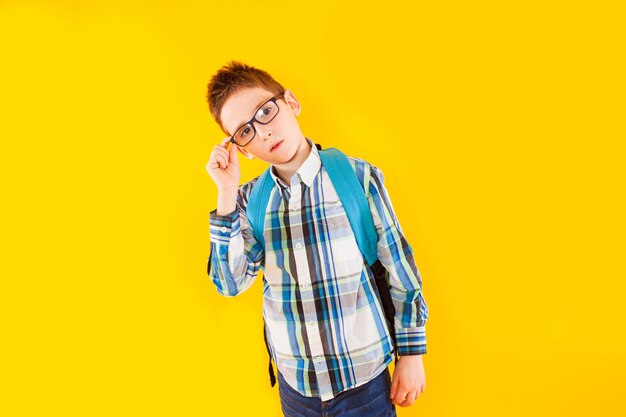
(242, 105)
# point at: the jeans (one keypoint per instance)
(368, 400)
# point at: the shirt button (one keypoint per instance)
(310, 323)
(224, 229)
(298, 245)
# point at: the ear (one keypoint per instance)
(293, 102)
(245, 152)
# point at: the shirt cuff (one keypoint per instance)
(221, 225)
(411, 341)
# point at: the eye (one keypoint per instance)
(264, 112)
(245, 131)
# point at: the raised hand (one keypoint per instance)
(223, 166)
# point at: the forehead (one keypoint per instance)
(241, 105)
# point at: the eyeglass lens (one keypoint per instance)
(264, 115)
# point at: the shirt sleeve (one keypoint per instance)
(405, 280)
(236, 255)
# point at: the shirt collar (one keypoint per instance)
(307, 171)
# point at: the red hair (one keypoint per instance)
(233, 77)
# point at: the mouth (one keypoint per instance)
(276, 145)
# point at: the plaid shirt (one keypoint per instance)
(325, 324)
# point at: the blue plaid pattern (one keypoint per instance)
(325, 324)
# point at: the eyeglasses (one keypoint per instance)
(265, 114)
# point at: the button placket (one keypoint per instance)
(296, 193)
(304, 276)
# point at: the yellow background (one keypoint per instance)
(498, 126)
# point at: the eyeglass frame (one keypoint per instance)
(254, 119)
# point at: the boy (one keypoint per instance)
(324, 322)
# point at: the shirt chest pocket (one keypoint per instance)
(338, 244)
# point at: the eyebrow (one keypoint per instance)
(256, 109)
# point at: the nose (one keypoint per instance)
(264, 131)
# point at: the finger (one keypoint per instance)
(220, 152)
(410, 398)
(402, 395)
(219, 160)
(220, 149)
(224, 142)
(394, 386)
(219, 156)
(232, 154)
(212, 164)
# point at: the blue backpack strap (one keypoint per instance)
(257, 205)
(354, 201)
(255, 212)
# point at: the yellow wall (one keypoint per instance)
(499, 129)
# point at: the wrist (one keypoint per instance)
(415, 358)
(226, 201)
(228, 191)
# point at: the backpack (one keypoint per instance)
(354, 201)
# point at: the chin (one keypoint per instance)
(283, 159)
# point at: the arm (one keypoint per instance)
(236, 255)
(405, 280)
(396, 255)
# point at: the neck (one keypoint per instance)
(285, 171)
